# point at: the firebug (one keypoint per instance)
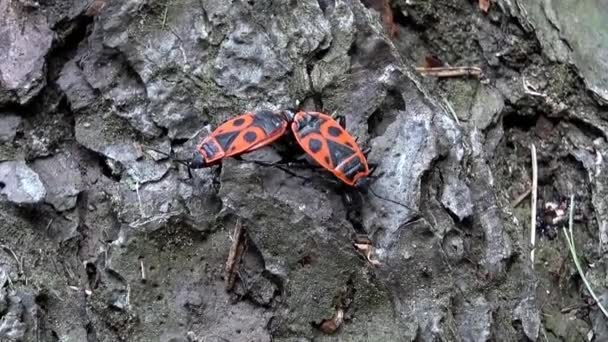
(244, 133)
(328, 143)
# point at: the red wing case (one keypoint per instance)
(242, 134)
(330, 145)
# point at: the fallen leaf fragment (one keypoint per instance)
(329, 326)
(432, 61)
(386, 15)
(365, 246)
(484, 5)
(96, 7)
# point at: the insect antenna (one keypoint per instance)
(416, 212)
(181, 161)
(287, 171)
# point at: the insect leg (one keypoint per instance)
(342, 121)
(340, 118)
(287, 171)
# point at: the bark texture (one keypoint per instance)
(104, 239)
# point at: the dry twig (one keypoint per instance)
(574, 307)
(234, 256)
(128, 299)
(19, 262)
(143, 270)
(48, 226)
(534, 197)
(530, 89)
(141, 206)
(165, 17)
(450, 71)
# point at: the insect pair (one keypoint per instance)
(323, 139)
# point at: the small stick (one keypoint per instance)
(520, 198)
(574, 307)
(450, 71)
(534, 198)
(128, 297)
(22, 272)
(141, 207)
(14, 255)
(143, 270)
(165, 17)
(49, 224)
(451, 110)
(234, 256)
(528, 89)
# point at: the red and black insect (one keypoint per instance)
(324, 139)
(242, 134)
(328, 143)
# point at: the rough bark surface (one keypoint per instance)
(104, 239)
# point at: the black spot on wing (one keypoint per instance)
(334, 131)
(338, 152)
(250, 137)
(226, 139)
(315, 145)
(238, 122)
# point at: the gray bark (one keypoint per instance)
(104, 239)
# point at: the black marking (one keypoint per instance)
(268, 121)
(352, 167)
(327, 161)
(334, 131)
(238, 122)
(349, 144)
(338, 152)
(226, 139)
(309, 124)
(250, 137)
(210, 149)
(315, 145)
